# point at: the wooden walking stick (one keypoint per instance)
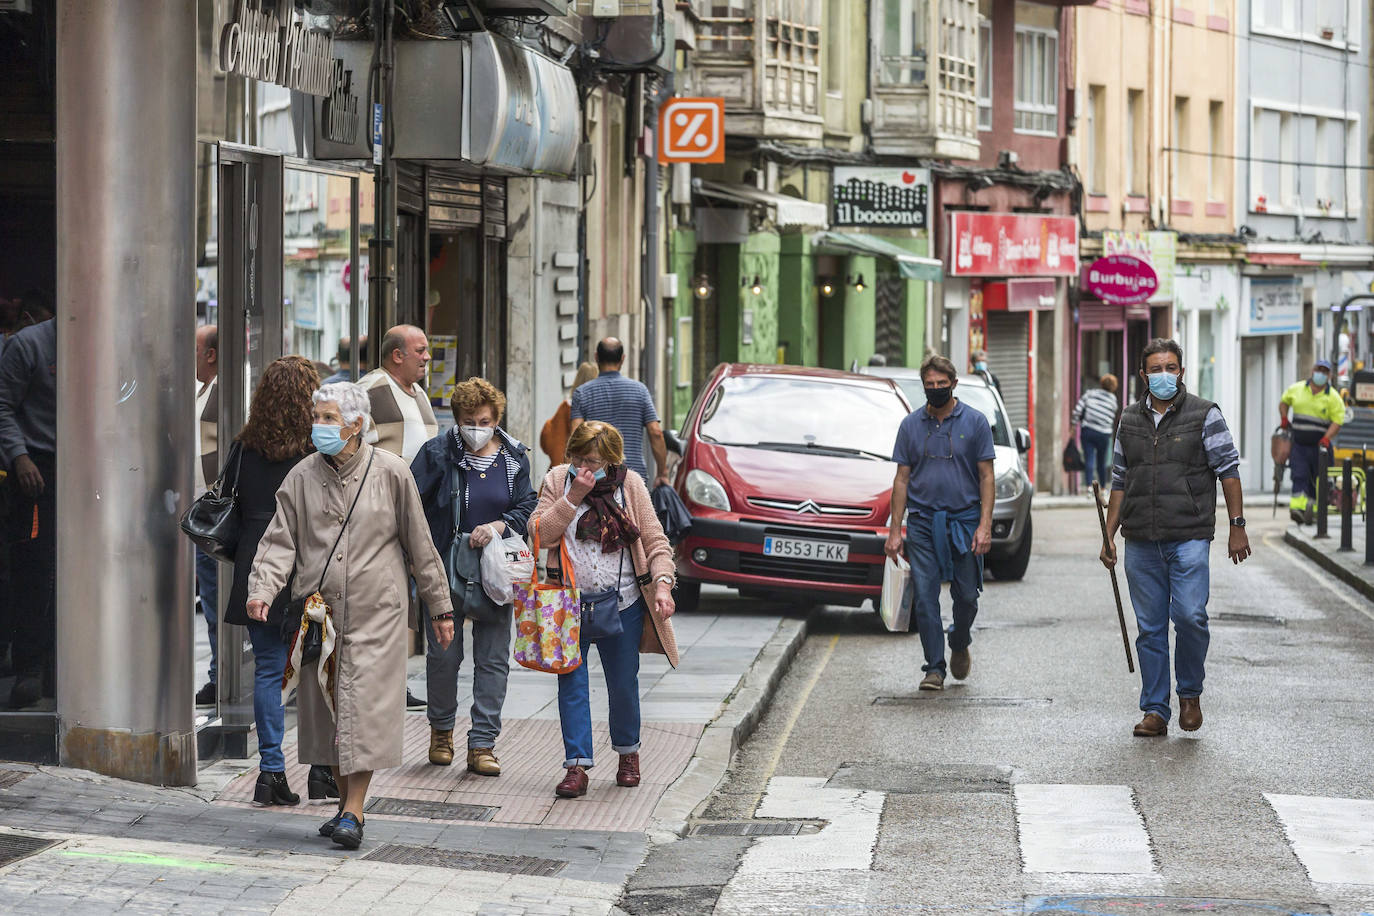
(1116, 589)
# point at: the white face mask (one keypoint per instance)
(476, 437)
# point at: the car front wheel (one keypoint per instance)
(1011, 566)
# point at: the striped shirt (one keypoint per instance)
(625, 404)
(479, 463)
(1097, 411)
(1222, 455)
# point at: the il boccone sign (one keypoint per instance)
(1121, 279)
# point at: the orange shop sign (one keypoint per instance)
(692, 130)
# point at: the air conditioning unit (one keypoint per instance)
(609, 9)
(525, 7)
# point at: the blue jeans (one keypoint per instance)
(1169, 580)
(490, 674)
(925, 587)
(207, 586)
(1097, 449)
(620, 661)
(269, 663)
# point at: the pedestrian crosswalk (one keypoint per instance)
(1094, 839)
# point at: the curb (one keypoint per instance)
(1351, 578)
(719, 741)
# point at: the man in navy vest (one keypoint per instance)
(1171, 449)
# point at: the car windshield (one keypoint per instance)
(974, 396)
(779, 412)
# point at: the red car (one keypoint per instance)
(787, 473)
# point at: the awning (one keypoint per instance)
(788, 210)
(911, 266)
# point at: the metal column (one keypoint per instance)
(126, 107)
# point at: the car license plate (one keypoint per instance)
(799, 549)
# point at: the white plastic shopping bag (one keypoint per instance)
(895, 602)
(504, 562)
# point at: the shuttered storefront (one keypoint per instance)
(1008, 346)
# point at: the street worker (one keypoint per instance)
(944, 476)
(600, 511)
(475, 485)
(625, 404)
(350, 525)
(1317, 415)
(1164, 501)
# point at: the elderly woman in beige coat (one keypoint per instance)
(348, 714)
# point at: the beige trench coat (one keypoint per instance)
(368, 590)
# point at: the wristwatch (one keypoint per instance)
(666, 580)
(1238, 522)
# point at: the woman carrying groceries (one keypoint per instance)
(553, 439)
(275, 438)
(348, 518)
(602, 511)
(1095, 415)
(474, 482)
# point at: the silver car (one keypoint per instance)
(1011, 516)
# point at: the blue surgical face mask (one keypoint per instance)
(327, 439)
(598, 475)
(1320, 378)
(980, 366)
(1163, 385)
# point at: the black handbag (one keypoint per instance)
(212, 521)
(601, 610)
(312, 644)
(1072, 458)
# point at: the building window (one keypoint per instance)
(1305, 162)
(1179, 161)
(1095, 131)
(1216, 151)
(1331, 22)
(984, 74)
(792, 65)
(836, 41)
(727, 27)
(905, 42)
(1037, 81)
(1288, 156)
(1135, 141)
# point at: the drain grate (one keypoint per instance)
(755, 828)
(931, 779)
(399, 854)
(1026, 623)
(439, 811)
(16, 846)
(935, 699)
(1259, 620)
(10, 778)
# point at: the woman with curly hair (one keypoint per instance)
(275, 438)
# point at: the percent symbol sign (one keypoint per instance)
(692, 130)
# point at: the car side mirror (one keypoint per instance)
(673, 443)
(1023, 440)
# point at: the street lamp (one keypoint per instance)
(827, 287)
(857, 282)
(757, 288)
(701, 287)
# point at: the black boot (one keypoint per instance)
(273, 789)
(321, 783)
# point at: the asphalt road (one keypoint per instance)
(1023, 790)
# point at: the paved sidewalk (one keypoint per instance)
(1349, 566)
(457, 843)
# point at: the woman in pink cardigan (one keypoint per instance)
(603, 513)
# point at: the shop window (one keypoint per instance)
(1037, 81)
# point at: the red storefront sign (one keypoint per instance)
(1012, 245)
(1121, 279)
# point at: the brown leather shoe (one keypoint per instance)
(483, 762)
(1189, 713)
(440, 747)
(933, 680)
(574, 785)
(959, 663)
(1152, 726)
(628, 774)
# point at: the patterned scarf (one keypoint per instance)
(323, 614)
(605, 520)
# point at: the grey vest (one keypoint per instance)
(1171, 490)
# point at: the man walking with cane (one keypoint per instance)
(944, 473)
(1171, 449)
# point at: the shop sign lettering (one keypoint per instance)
(1012, 245)
(276, 47)
(894, 197)
(1121, 279)
(340, 110)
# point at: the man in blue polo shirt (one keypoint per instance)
(944, 475)
(625, 404)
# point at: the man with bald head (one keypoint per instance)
(625, 404)
(402, 418)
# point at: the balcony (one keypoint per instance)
(924, 91)
(763, 57)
